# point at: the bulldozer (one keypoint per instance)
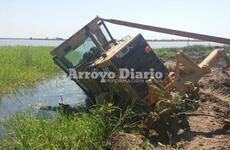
(92, 51)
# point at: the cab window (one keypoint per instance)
(75, 56)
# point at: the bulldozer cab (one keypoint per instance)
(93, 49)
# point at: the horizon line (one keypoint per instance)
(63, 39)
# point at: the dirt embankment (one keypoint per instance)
(211, 130)
(208, 130)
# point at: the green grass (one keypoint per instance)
(23, 66)
(83, 130)
(227, 48)
(195, 50)
(167, 52)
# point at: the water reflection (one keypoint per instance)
(46, 93)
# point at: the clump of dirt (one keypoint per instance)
(218, 80)
(124, 141)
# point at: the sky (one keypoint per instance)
(62, 18)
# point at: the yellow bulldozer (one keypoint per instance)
(129, 67)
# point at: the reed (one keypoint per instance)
(22, 66)
(83, 130)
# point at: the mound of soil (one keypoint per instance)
(208, 130)
(217, 80)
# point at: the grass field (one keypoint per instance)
(83, 130)
(195, 50)
(22, 66)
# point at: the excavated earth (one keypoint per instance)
(208, 130)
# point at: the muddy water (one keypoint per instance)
(46, 93)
